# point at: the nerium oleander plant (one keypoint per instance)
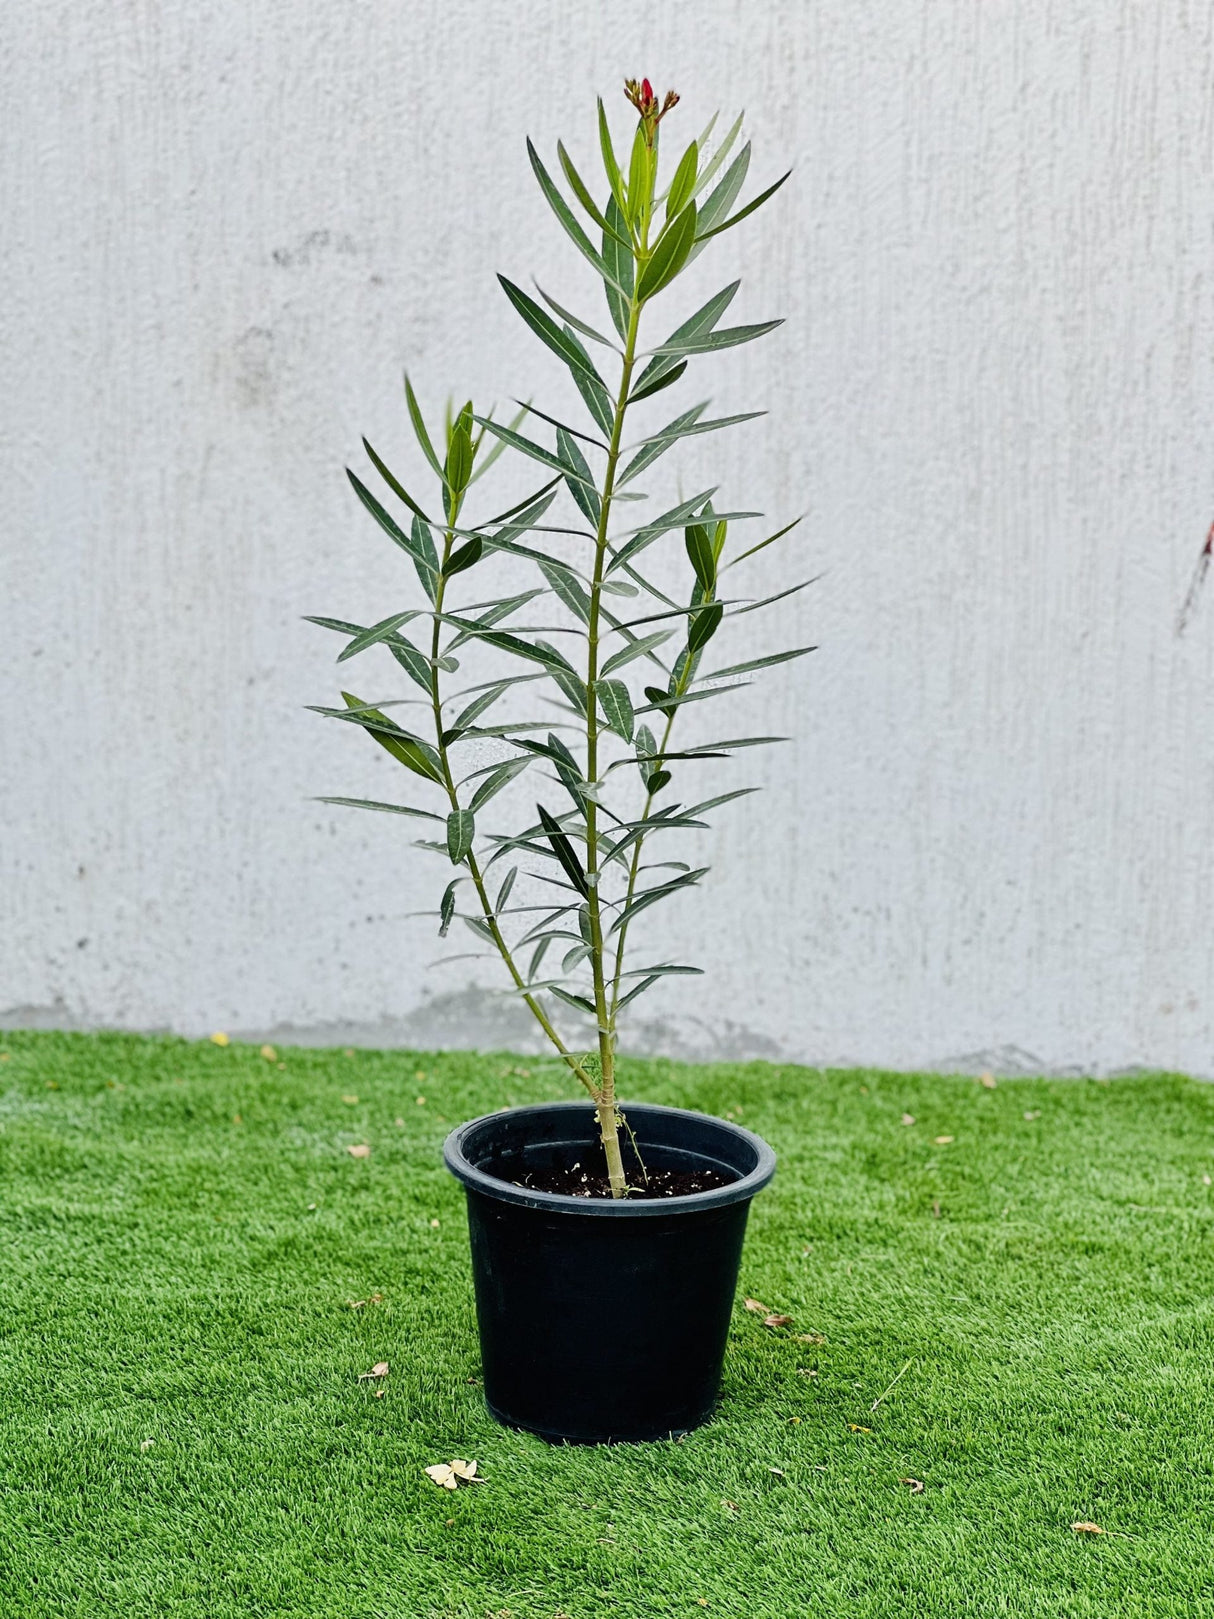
(574, 882)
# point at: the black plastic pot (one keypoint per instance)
(603, 1320)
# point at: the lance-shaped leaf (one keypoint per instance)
(461, 828)
(700, 554)
(768, 662)
(722, 197)
(682, 187)
(419, 429)
(385, 520)
(392, 481)
(498, 777)
(383, 631)
(466, 556)
(651, 896)
(670, 254)
(674, 518)
(611, 165)
(658, 381)
(710, 170)
(503, 893)
(407, 750)
(413, 663)
(579, 1002)
(446, 909)
(537, 452)
(547, 330)
(575, 321)
(564, 851)
(537, 652)
(728, 337)
(704, 626)
(659, 442)
(620, 263)
(641, 647)
(568, 588)
(616, 703)
(704, 319)
(565, 214)
(763, 544)
(386, 809)
(579, 478)
(744, 213)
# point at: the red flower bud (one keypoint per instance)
(646, 90)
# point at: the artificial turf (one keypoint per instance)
(182, 1229)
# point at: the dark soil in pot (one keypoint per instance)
(604, 1319)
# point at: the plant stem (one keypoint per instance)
(608, 1118)
(474, 870)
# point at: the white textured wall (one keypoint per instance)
(227, 227)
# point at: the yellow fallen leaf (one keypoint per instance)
(269, 1053)
(989, 1082)
(856, 1428)
(434, 1225)
(379, 1393)
(443, 1476)
(349, 1100)
(1087, 1529)
(380, 1369)
(777, 1321)
(916, 1485)
(944, 1141)
(219, 1038)
(359, 1150)
(464, 1470)
(908, 1118)
(753, 1304)
(421, 1101)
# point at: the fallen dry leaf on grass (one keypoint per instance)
(777, 1321)
(856, 1428)
(989, 1082)
(908, 1118)
(1087, 1529)
(1035, 1114)
(944, 1141)
(219, 1038)
(349, 1100)
(916, 1485)
(811, 1337)
(147, 1444)
(269, 1053)
(753, 1304)
(359, 1150)
(450, 1475)
(380, 1369)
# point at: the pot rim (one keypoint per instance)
(741, 1190)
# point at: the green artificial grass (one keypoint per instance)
(182, 1230)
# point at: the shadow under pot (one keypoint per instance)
(604, 1320)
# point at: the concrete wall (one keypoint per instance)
(228, 227)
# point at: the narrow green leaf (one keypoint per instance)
(616, 703)
(382, 631)
(620, 262)
(704, 319)
(575, 321)
(665, 379)
(546, 329)
(682, 187)
(390, 478)
(537, 452)
(582, 192)
(581, 480)
(570, 999)
(407, 750)
(652, 895)
(759, 663)
(670, 254)
(568, 589)
(459, 454)
(770, 540)
(564, 851)
(610, 166)
(503, 893)
(658, 443)
(639, 648)
(640, 175)
(500, 776)
(704, 626)
(413, 663)
(466, 556)
(709, 172)
(447, 907)
(699, 551)
(635, 991)
(387, 522)
(461, 828)
(564, 213)
(387, 809)
(723, 196)
(744, 213)
(419, 429)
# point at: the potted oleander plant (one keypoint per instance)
(546, 658)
